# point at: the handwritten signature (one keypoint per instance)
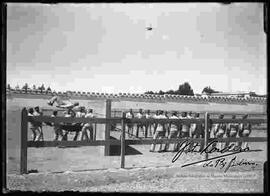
(186, 147)
(222, 163)
(189, 147)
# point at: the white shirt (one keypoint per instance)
(185, 127)
(139, 115)
(147, 116)
(89, 115)
(129, 115)
(173, 125)
(80, 114)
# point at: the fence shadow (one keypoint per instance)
(115, 150)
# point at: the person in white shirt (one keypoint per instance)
(140, 126)
(174, 132)
(33, 125)
(57, 128)
(244, 132)
(147, 126)
(88, 127)
(160, 132)
(155, 124)
(37, 112)
(189, 115)
(185, 126)
(220, 132)
(232, 131)
(130, 115)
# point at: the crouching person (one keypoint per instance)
(88, 127)
(57, 128)
(244, 132)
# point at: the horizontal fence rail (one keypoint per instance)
(207, 121)
(73, 120)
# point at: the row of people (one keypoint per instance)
(184, 130)
(62, 129)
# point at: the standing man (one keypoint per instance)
(220, 131)
(88, 126)
(37, 112)
(147, 125)
(33, 125)
(185, 126)
(232, 130)
(244, 132)
(139, 115)
(130, 115)
(160, 132)
(173, 133)
(57, 128)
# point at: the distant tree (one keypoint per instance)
(149, 92)
(185, 89)
(25, 87)
(41, 88)
(209, 90)
(48, 90)
(161, 92)
(171, 92)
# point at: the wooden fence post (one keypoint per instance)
(123, 143)
(107, 127)
(24, 134)
(206, 132)
(95, 132)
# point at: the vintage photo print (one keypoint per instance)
(136, 97)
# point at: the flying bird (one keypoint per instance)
(149, 28)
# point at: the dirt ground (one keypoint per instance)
(150, 179)
(87, 169)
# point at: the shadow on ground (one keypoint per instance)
(115, 150)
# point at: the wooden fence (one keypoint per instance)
(123, 142)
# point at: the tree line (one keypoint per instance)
(26, 87)
(183, 89)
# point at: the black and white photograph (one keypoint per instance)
(152, 97)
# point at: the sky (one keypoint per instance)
(102, 47)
